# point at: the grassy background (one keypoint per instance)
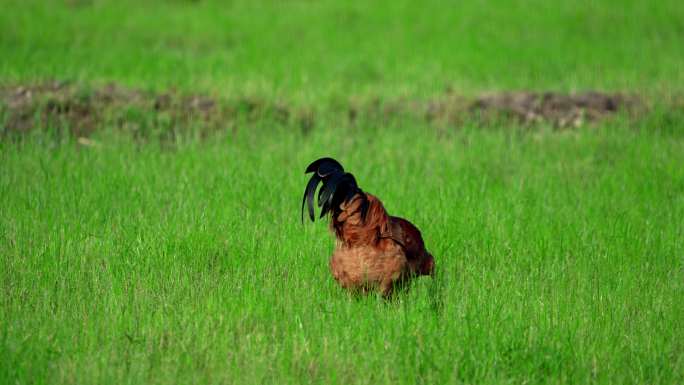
(309, 50)
(560, 254)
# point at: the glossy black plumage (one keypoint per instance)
(338, 187)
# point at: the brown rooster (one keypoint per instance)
(373, 249)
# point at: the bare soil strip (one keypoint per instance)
(82, 110)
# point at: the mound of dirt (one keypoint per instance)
(64, 105)
(562, 110)
(82, 110)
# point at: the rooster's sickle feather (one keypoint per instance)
(338, 187)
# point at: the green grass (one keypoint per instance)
(329, 49)
(560, 253)
(559, 261)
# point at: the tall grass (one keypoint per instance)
(559, 260)
(560, 253)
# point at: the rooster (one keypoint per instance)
(373, 249)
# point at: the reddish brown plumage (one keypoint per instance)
(378, 251)
(373, 249)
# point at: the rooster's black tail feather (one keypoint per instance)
(338, 187)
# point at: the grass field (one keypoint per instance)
(308, 50)
(560, 253)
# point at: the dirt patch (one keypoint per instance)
(81, 111)
(562, 110)
(522, 108)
